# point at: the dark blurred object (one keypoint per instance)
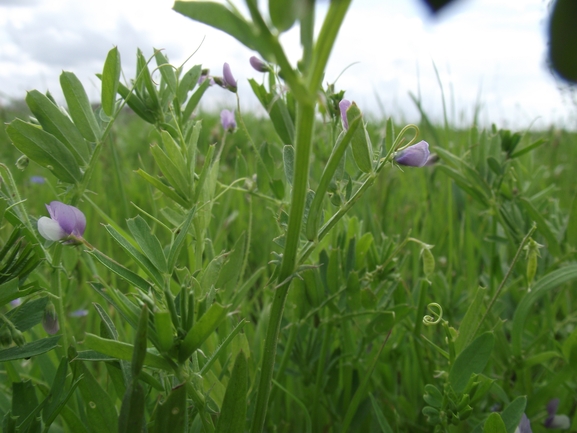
(563, 39)
(437, 5)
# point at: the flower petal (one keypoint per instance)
(344, 106)
(229, 81)
(80, 224)
(50, 229)
(414, 156)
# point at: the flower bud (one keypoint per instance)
(22, 162)
(414, 156)
(228, 80)
(343, 106)
(50, 319)
(227, 120)
(258, 65)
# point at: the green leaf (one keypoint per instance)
(360, 142)
(30, 349)
(222, 18)
(166, 71)
(152, 102)
(541, 288)
(79, 106)
(25, 407)
(142, 261)
(230, 271)
(136, 104)
(179, 241)
(188, 83)
(165, 189)
(202, 330)
(45, 149)
(470, 321)
(170, 171)
(563, 39)
(110, 80)
(282, 13)
(513, 412)
(29, 314)
(233, 411)
(149, 243)
(131, 418)
(126, 274)
(277, 111)
(171, 415)
(55, 122)
(542, 227)
(470, 361)
(195, 99)
(494, 424)
(288, 157)
(140, 340)
(100, 411)
(383, 423)
(124, 351)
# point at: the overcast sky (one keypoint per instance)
(491, 51)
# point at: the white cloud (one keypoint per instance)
(487, 47)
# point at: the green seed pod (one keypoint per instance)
(360, 143)
(163, 326)
(532, 249)
(428, 261)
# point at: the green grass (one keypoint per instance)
(338, 313)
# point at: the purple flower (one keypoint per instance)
(38, 180)
(64, 221)
(344, 106)
(414, 156)
(258, 64)
(50, 319)
(524, 425)
(228, 80)
(553, 420)
(227, 120)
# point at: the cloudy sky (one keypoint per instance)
(486, 52)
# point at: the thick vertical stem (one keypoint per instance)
(304, 132)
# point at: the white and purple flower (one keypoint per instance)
(553, 420)
(524, 425)
(65, 223)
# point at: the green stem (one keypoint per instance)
(56, 287)
(304, 129)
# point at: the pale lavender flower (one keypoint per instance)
(64, 221)
(553, 420)
(206, 77)
(414, 156)
(228, 80)
(39, 180)
(344, 106)
(16, 302)
(78, 313)
(524, 425)
(50, 319)
(227, 120)
(258, 65)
